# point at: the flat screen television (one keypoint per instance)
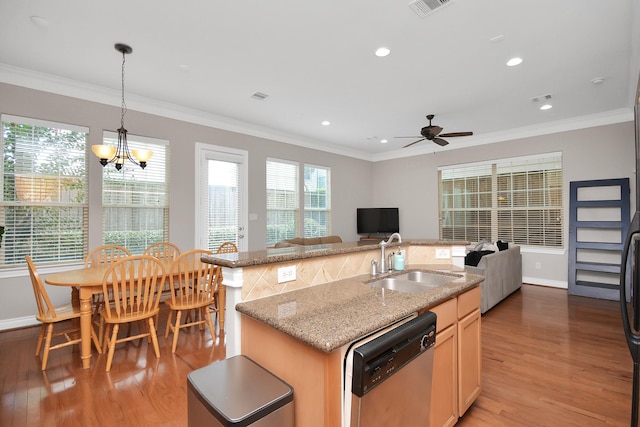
(378, 221)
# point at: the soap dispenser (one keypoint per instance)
(398, 260)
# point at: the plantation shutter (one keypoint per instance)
(517, 200)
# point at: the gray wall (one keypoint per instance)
(409, 183)
(18, 303)
(594, 153)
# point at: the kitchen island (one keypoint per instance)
(301, 333)
(253, 275)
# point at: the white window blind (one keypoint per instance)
(517, 200)
(135, 201)
(282, 200)
(317, 201)
(223, 202)
(44, 207)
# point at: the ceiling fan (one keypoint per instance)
(432, 133)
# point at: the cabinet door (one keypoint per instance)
(469, 360)
(444, 391)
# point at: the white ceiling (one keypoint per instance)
(315, 60)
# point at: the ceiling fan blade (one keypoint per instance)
(414, 142)
(453, 134)
(417, 136)
(440, 141)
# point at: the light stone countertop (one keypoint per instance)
(331, 315)
(274, 255)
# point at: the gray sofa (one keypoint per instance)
(502, 273)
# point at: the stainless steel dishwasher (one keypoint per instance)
(387, 375)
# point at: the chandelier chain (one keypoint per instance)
(124, 105)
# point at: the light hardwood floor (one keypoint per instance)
(548, 360)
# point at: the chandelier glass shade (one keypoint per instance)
(121, 153)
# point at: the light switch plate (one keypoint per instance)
(286, 274)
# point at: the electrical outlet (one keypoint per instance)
(538, 266)
(286, 274)
(442, 253)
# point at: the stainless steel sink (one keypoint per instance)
(427, 278)
(413, 282)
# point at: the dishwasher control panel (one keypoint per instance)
(381, 357)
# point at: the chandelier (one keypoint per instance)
(121, 153)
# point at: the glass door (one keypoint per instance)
(222, 197)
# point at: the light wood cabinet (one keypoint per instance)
(316, 377)
(469, 361)
(457, 358)
(444, 396)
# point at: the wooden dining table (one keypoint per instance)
(85, 282)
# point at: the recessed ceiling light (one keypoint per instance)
(546, 107)
(326, 123)
(597, 80)
(382, 51)
(384, 141)
(497, 38)
(514, 61)
(40, 22)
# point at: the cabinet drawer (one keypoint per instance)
(468, 302)
(446, 313)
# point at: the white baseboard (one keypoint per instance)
(18, 322)
(546, 282)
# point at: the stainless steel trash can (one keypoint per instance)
(238, 392)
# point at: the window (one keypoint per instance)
(317, 201)
(517, 200)
(284, 205)
(282, 200)
(44, 207)
(135, 201)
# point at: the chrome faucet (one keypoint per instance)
(383, 257)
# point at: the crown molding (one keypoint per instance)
(47, 83)
(67, 87)
(574, 123)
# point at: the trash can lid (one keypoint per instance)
(238, 391)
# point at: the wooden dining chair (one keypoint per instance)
(49, 315)
(164, 251)
(195, 285)
(136, 282)
(103, 256)
(227, 248)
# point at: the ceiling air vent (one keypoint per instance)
(425, 7)
(260, 96)
(541, 98)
